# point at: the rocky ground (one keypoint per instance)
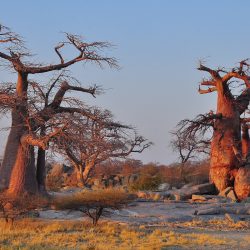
(181, 217)
(148, 212)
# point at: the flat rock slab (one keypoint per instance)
(157, 212)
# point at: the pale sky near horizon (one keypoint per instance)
(158, 44)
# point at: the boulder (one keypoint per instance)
(186, 193)
(164, 187)
(198, 198)
(208, 211)
(182, 195)
(206, 188)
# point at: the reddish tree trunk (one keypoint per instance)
(10, 153)
(23, 178)
(225, 144)
(18, 169)
(245, 143)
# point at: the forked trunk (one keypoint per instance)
(83, 172)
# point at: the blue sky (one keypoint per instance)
(158, 44)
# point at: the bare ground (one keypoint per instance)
(178, 217)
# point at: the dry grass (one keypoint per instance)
(110, 198)
(36, 234)
(217, 224)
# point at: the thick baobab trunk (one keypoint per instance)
(229, 151)
(10, 153)
(18, 168)
(225, 146)
(23, 178)
(245, 141)
(242, 178)
(242, 182)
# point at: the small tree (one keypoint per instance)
(188, 148)
(87, 142)
(94, 204)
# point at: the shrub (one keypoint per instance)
(12, 207)
(149, 178)
(96, 203)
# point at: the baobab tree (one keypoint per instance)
(18, 171)
(87, 142)
(227, 144)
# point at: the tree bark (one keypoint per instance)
(10, 153)
(225, 144)
(80, 179)
(18, 169)
(83, 171)
(41, 170)
(23, 177)
(245, 143)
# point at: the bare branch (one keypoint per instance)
(58, 53)
(208, 83)
(205, 91)
(213, 73)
